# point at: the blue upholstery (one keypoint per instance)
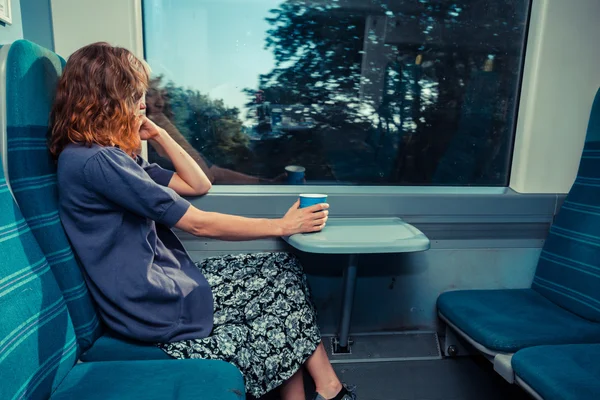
(570, 372)
(109, 348)
(37, 340)
(563, 306)
(509, 320)
(153, 380)
(31, 76)
(568, 272)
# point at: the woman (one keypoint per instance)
(252, 310)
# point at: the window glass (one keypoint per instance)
(368, 92)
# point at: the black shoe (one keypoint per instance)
(347, 393)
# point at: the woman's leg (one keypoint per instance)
(293, 388)
(326, 381)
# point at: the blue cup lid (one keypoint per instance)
(295, 168)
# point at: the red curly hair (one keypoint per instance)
(97, 99)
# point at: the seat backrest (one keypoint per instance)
(568, 271)
(32, 74)
(38, 346)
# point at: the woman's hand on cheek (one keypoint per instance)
(148, 129)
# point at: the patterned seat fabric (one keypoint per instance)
(568, 272)
(38, 346)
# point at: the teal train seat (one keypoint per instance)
(31, 76)
(563, 304)
(566, 372)
(38, 342)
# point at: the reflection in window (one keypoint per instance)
(371, 92)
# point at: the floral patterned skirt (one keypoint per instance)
(264, 320)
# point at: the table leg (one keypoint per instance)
(342, 345)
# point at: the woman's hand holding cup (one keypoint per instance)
(305, 218)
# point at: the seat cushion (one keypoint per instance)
(509, 320)
(569, 372)
(148, 380)
(109, 348)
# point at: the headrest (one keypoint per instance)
(32, 73)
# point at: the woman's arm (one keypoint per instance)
(234, 228)
(189, 179)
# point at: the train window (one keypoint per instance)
(366, 92)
